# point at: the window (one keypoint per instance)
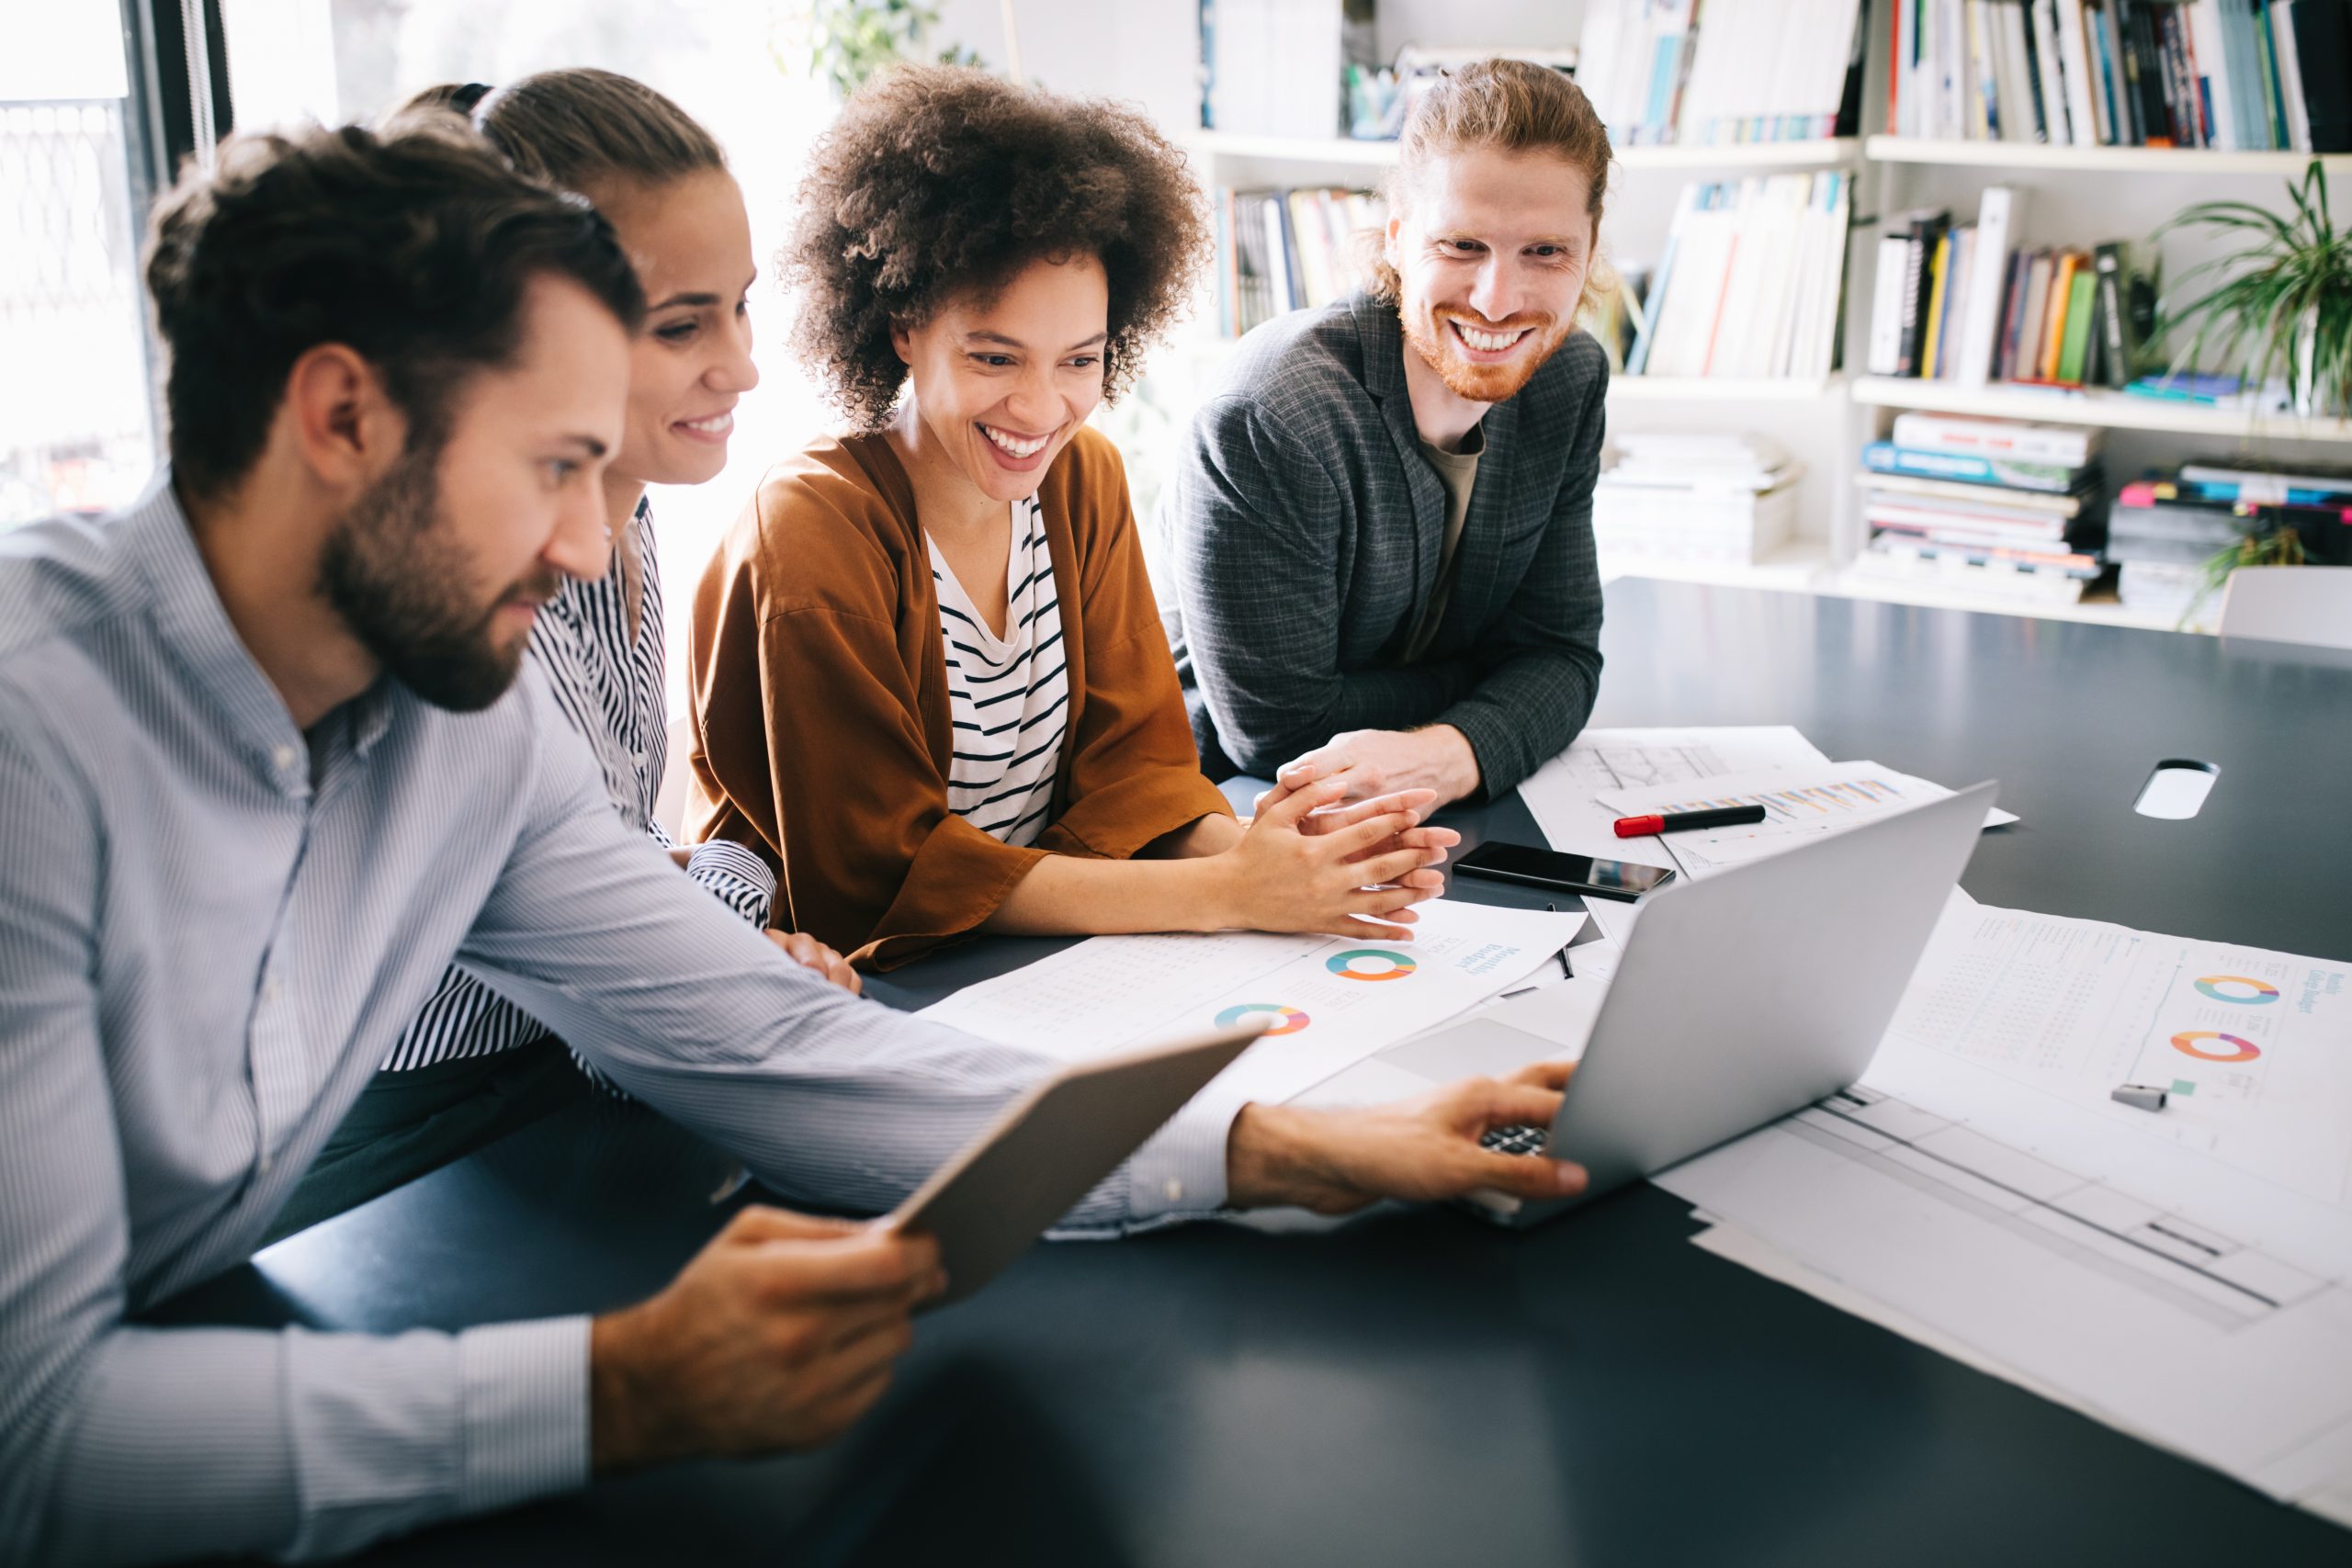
(77, 413)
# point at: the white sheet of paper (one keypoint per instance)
(1799, 804)
(2024, 1024)
(1563, 794)
(2184, 1275)
(1335, 999)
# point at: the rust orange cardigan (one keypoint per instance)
(820, 728)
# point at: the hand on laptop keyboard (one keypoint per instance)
(1516, 1140)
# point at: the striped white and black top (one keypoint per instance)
(1008, 696)
(612, 690)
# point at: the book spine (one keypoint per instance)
(2274, 98)
(2048, 478)
(1918, 246)
(1995, 222)
(1995, 439)
(2324, 47)
(2074, 57)
(2054, 330)
(2124, 107)
(1931, 332)
(2073, 352)
(2280, 18)
(2155, 97)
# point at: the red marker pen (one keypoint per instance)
(1683, 821)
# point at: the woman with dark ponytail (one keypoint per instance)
(472, 1066)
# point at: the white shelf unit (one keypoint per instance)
(1798, 566)
(1340, 153)
(2109, 410)
(1721, 388)
(1848, 402)
(2038, 157)
(1849, 583)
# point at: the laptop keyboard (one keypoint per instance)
(1516, 1140)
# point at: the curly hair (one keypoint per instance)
(939, 181)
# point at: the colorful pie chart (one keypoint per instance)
(2244, 989)
(1369, 963)
(1288, 1020)
(2227, 1047)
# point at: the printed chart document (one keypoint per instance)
(1563, 795)
(1334, 1000)
(1799, 804)
(2184, 1275)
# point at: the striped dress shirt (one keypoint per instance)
(211, 928)
(611, 688)
(1008, 697)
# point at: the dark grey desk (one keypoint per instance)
(1418, 1389)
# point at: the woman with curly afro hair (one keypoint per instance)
(931, 683)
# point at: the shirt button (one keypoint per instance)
(283, 756)
(270, 991)
(1175, 1191)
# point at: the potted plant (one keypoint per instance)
(851, 40)
(2280, 304)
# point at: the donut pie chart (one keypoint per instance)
(1370, 964)
(2225, 1048)
(2245, 990)
(1288, 1020)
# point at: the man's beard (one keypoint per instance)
(395, 573)
(1431, 339)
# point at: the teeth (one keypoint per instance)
(1488, 342)
(1018, 448)
(717, 425)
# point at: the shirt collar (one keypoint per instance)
(195, 628)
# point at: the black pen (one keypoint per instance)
(1550, 909)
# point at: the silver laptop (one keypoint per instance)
(1738, 999)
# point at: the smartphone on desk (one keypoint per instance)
(1586, 875)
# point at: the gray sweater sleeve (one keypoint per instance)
(1539, 667)
(1258, 547)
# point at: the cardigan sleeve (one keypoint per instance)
(1132, 772)
(809, 745)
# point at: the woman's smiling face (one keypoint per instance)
(691, 243)
(1002, 381)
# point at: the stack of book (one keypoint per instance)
(2251, 75)
(2000, 507)
(1750, 281)
(1693, 497)
(1971, 304)
(1728, 71)
(1287, 250)
(2167, 529)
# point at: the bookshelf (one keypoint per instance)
(2112, 410)
(1211, 351)
(1339, 152)
(1851, 584)
(1721, 388)
(2089, 194)
(2037, 157)
(1801, 564)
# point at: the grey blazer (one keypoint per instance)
(1304, 529)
